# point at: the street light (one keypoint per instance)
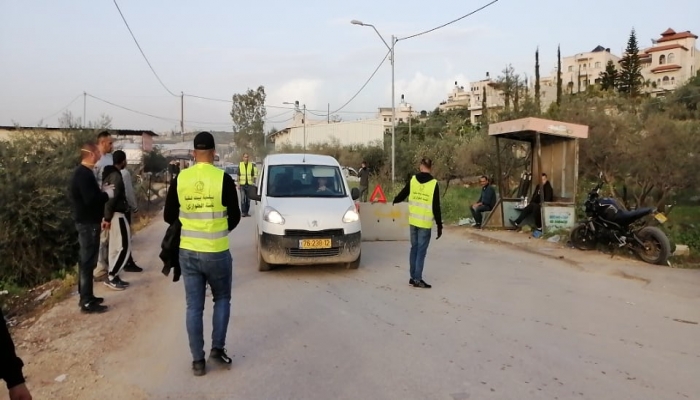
(296, 108)
(393, 97)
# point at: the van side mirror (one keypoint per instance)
(355, 193)
(252, 192)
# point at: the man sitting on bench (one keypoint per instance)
(535, 205)
(486, 202)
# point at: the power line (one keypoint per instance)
(132, 110)
(276, 107)
(449, 23)
(66, 106)
(364, 85)
(141, 50)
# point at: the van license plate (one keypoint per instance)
(660, 217)
(315, 244)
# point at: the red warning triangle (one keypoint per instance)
(377, 195)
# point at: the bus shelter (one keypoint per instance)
(554, 150)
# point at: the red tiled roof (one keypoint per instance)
(670, 35)
(665, 47)
(667, 67)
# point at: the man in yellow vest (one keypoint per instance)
(204, 200)
(246, 177)
(423, 208)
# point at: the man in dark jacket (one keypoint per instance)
(363, 174)
(11, 365)
(423, 196)
(543, 193)
(486, 202)
(88, 203)
(115, 220)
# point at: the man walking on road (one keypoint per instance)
(115, 222)
(88, 207)
(423, 208)
(105, 145)
(363, 173)
(246, 177)
(11, 365)
(204, 199)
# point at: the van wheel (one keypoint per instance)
(354, 264)
(262, 265)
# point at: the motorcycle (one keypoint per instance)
(609, 223)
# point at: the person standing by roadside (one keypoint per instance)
(131, 265)
(423, 196)
(106, 145)
(486, 202)
(11, 365)
(88, 203)
(115, 221)
(204, 200)
(246, 177)
(363, 173)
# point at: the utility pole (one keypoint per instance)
(393, 112)
(410, 117)
(304, 121)
(329, 113)
(84, 108)
(182, 115)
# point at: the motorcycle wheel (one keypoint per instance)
(656, 246)
(582, 238)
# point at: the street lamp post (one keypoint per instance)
(393, 97)
(296, 108)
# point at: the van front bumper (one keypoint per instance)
(286, 249)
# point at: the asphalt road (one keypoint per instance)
(498, 323)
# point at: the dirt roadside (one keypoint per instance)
(61, 346)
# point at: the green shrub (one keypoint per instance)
(37, 234)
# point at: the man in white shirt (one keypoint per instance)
(105, 144)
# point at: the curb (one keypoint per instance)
(521, 248)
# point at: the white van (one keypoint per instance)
(305, 212)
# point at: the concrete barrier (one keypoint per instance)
(384, 222)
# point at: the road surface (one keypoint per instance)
(498, 323)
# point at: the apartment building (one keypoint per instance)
(671, 61)
(458, 98)
(494, 98)
(403, 112)
(583, 69)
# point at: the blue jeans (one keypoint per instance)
(89, 241)
(198, 269)
(420, 239)
(245, 200)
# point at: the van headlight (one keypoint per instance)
(273, 216)
(351, 215)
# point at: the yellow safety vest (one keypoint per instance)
(202, 214)
(420, 203)
(246, 173)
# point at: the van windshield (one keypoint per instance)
(305, 181)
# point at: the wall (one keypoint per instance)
(365, 132)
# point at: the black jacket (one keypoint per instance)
(10, 364)
(170, 250)
(488, 196)
(548, 194)
(423, 177)
(112, 176)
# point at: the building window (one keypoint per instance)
(584, 66)
(662, 59)
(665, 80)
(384, 118)
(571, 68)
(597, 65)
(670, 58)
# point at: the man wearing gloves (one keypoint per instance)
(423, 208)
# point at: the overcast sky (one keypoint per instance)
(52, 51)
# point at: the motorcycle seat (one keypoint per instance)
(627, 217)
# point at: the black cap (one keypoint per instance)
(203, 141)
